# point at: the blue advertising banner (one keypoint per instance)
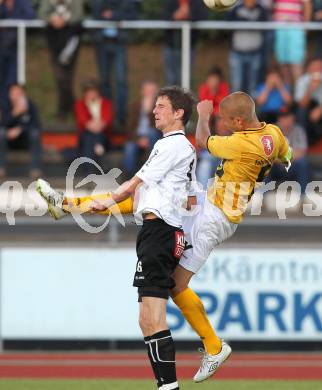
(259, 294)
(255, 294)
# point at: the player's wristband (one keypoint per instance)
(288, 158)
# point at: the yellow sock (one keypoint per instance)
(81, 205)
(194, 312)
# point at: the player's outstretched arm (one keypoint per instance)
(205, 109)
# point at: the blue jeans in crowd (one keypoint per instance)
(28, 139)
(87, 142)
(86, 148)
(112, 57)
(8, 73)
(172, 64)
(266, 55)
(317, 44)
(244, 71)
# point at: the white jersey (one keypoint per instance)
(167, 176)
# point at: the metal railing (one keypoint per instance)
(185, 28)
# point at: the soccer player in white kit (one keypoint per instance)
(164, 191)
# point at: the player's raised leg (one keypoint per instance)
(84, 205)
(53, 198)
(59, 205)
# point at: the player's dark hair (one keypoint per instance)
(180, 98)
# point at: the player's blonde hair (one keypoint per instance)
(239, 105)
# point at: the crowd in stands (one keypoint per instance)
(274, 67)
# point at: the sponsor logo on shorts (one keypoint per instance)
(179, 244)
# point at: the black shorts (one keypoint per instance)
(159, 247)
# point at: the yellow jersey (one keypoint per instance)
(247, 157)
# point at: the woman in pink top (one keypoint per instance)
(290, 44)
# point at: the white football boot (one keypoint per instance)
(53, 198)
(211, 363)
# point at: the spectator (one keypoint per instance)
(215, 88)
(290, 44)
(63, 34)
(296, 136)
(272, 96)
(94, 118)
(10, 9)
(317, 16)
(111, 51)
(21, 129)
(146, 134)
(246, 52)
(179, 10)
(308, 95)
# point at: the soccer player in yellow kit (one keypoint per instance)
(247, 156)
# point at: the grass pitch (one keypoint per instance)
(22, 384)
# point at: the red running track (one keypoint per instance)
(306, 366)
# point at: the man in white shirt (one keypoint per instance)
(164, 182)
